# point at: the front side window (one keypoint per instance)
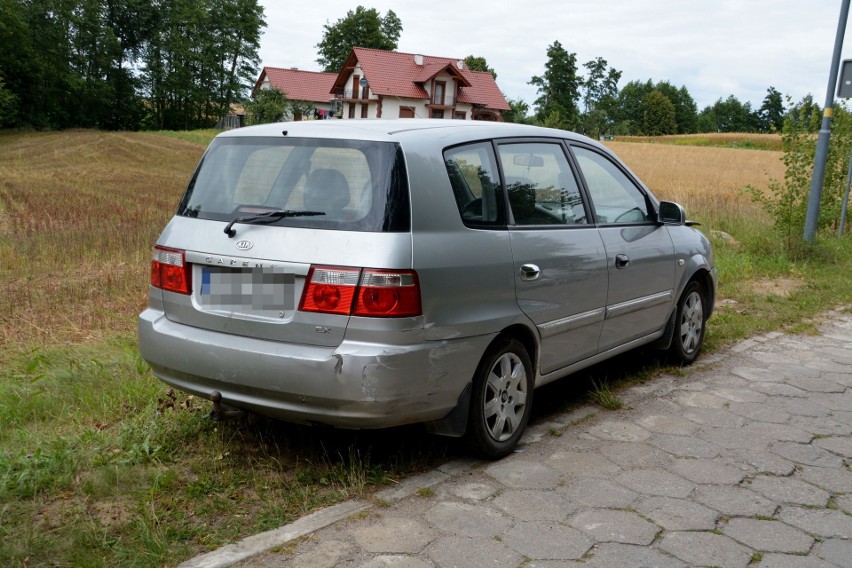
(476, 185)
(327, 184)
(540, 184)
(615, 198)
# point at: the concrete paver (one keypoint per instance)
(744, 461)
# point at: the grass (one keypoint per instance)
(735, 140)
(101, 464)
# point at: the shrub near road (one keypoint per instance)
(101, 465)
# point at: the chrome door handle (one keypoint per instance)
(530, 272)
(621, 260)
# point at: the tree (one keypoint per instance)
(106, 63)
(771, 112)
(630, 113)
(361, 28)
(518, 113)
(734, 116)
(8, 105)
(600, 89)
(659, 114)
(267, 105)
(202, 57)
(631, 108)
(806, 113)
(559, 89)
(686, 111)
(479, 64)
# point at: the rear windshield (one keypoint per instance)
(334, 184)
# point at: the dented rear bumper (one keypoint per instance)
(354, 385)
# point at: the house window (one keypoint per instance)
(364, 109)
(437, 114)
(438, 92)
(460, 115)
(356, 85)
(365, 93)
(406, 112)
(351, 110)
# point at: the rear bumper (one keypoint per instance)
(355, 385)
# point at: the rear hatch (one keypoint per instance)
(263, 217)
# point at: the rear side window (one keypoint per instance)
(335, 184)
(472, 170)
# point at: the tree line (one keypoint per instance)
(125, 64)
(593, 104)
(180, 64)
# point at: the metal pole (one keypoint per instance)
(845, 200)
(815, 196)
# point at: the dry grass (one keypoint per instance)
(718, 139)
(79, 212)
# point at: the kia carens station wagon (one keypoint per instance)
(369, 274)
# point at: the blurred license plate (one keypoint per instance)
(247, 290)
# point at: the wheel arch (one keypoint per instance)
(455, 423)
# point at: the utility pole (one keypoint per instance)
(815, 196)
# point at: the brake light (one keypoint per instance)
(367, 292)
(170, 271)
(330, 290)
(388, 294)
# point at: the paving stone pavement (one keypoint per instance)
(743, 461)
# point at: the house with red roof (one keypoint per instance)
(308, 89)
(388, 84)
(374, 83)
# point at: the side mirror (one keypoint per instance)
(671, 213)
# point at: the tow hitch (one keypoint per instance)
(220, 412)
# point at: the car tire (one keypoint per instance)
(501, 400)
(690, 322)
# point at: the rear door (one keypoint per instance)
(639, 252)
(559, 257)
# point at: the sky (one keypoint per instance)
(715, 48)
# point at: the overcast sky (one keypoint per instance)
(715, 48)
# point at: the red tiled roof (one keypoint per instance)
(483, 90)
(391, 73)
(299, 85)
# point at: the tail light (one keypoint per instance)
(367, 292)
(170, 271)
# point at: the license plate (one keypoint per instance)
(261, 291)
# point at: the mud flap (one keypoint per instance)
(453, 424)
(664, 342)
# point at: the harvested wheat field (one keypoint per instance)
(80, 210)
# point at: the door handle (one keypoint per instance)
(530, 272)
(621, 260)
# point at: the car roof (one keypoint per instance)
(390, 129)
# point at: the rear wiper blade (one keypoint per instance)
(268, 216)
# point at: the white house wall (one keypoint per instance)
(391, 105)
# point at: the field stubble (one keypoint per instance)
(100, 464)
(79, 212)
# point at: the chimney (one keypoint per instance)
(418, 59)
(460, 63)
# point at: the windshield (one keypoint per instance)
(355, 185)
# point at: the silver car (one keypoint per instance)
(369, 274)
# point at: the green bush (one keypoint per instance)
(787, 201)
